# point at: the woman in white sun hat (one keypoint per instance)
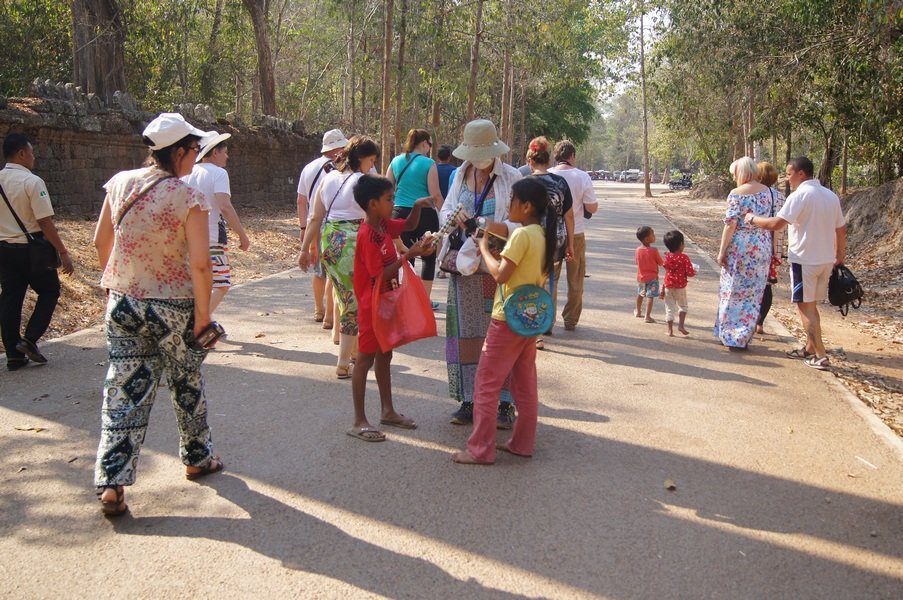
(152, 242)
(482, 184)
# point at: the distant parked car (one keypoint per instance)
(632, 175)
(616, 176)
(606, 176)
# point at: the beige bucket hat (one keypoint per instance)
(481, 141)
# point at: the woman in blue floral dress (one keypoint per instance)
(744, 256)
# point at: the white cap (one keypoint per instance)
(210, 140)
(333, 140)
(169, 128)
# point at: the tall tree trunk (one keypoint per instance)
(208, 73)
(438, 47)
(523, 118)
(828, 160)
(474, 61)
(509, 138)
(98, 37)
(788, 150)
(505, 112)
(387, 85)
(399, 82)
(843, 167)
(265, 68)
(646, 184)
(774, 147)
(364, 118)
(351, 65)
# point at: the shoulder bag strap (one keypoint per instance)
(28, 236)
(410, 162)
(771, 193)
(338, 191)
(316, 179)
(479, 200)
(138, 197)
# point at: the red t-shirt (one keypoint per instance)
(677, 268)
(647, 261)
(374, 250)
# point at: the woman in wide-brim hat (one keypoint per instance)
(482, 184)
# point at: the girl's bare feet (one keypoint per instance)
(650, 320)
(683, 331)
(464, 458)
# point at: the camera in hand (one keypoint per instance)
(470, 225)
(208, 336)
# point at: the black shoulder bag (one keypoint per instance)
(42, 256)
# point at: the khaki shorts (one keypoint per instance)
(809, 282)
(675, 302)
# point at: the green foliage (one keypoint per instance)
(36, 36)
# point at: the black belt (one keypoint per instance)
(35, 234)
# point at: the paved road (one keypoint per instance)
(783, 488)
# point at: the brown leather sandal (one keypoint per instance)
(117, 507)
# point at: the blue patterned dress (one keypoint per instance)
(469, 312)
(743, 279)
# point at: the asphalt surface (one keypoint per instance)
(783, 487)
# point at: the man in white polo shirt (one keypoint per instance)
(584, 202)
(29, 204)
(312, 175)
(209, 177)
(817, 242)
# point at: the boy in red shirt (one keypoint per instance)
(376, 262)
(647, 262)
(677, 269)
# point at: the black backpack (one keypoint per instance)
(843, 290)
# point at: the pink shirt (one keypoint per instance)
(647, 261)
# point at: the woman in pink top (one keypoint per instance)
(152, 242)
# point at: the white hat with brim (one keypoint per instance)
(333, 140)
(210, 141)
(481, 141)
(169, 128)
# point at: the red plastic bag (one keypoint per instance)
(404, 314)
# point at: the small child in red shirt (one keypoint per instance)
(647, 262)
(376, 262)
(677, 269)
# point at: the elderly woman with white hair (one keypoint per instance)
(482, 186)
(744, 256)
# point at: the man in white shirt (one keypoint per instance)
(29, 201)
(209, 177)
(584, 202)
(309, 182)
(817, 242)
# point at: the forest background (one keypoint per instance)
(709, 80)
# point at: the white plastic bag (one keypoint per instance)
(469, 257)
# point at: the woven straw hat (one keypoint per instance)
(481, 141)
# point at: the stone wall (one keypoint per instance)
(80, 143)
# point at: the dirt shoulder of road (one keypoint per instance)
(866, 346)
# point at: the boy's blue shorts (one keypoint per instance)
(648, 289)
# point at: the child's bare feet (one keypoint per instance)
(637, 314)
(683, 331)
(650, 320)
(464, 458)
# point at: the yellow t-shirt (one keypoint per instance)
(527, 249)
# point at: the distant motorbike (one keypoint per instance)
(684, 183)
